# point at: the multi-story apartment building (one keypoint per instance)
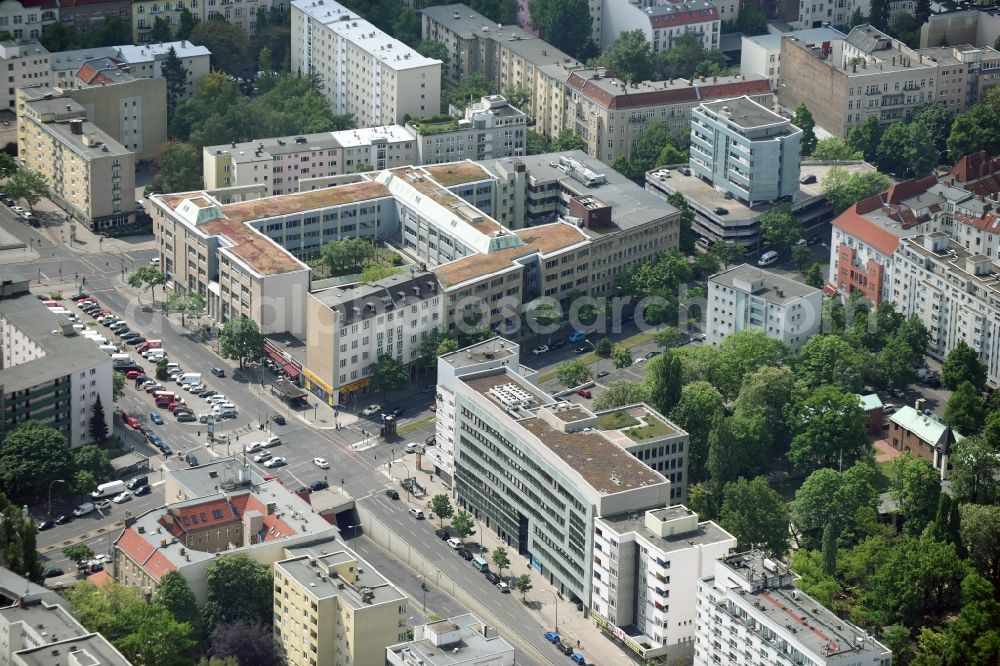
(242, 14)
(208, 248)
(611, 116)
(48, 373)
(144, 61)
(818, 14)
(37, 629)
(662, 22)
(750, 612)
(85, 16)
(646, 571)
(282, 164)
(217, 507)
(331, 607)
(491, 129)
(463, 639)
(539, 472)
(351, 326)
(22, 64)
(954, 291)
(25, 19)
(746, 150)
(748, 298)
(365, 72)
(965, 73)
(90, 174)
(844, 81)
(760, 55)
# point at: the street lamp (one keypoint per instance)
(555, 600)
(352, 528)
(400, 462)
(423, 593)
(54, 481)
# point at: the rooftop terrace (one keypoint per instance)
(286, 204)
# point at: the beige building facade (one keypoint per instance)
(22, 64)
(133, 112)
(365, 72)
(89, 173)
(242, 14)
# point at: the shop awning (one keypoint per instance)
(291, 370)
(275, 356)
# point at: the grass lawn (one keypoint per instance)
(416, 424)
(654, 428)
(615, 421)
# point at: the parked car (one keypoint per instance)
(399, 411)
(392, 494)
(318, 485)
(277, 461)
(122, 497)
(581, 350)
(279, 419)
(371, 410)
(431, 441)
(102, 504)
(156, 418)
(808, 180)
(492, 577)
(539, 350)
(428, 388)
(53, 572)
(321, 463)
(218, 372)
(62, 520)
(443, 534)
(417, 514)
(263, 456)
(45, 525)
(584, 393)
(142, 490)
(253, 446)
(272, 441)
(186, 417)
(411, 447)
(464, 553)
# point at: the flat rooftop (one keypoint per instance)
(457, 173)
(252, 247)
(604, 465)
(359, 301)
(62, 355)
(101, 143)
(306, 565)
(706, 533)
(363, 34)
(808, 36)
(544, 239)
(469, 24)
(477, 645)
(493, 349)
(246, 151)
(88, 650)
(745, 113)
(297, 202)
(776, 288)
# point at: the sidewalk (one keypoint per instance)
(79, 238)
(542, 599)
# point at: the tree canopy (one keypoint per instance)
(241, 339)
(565, 24)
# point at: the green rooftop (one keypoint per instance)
(435, 124)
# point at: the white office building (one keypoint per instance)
(662, 22)
(365, 72)
(750, 612)
(745, 150)
(646, 572)
(748, 298)
(491, 129)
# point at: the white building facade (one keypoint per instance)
(491, 128)
(23, 64)
(748, 298)
(365, 72)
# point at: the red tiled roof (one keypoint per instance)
(87, 74)
(673, 19)
(909, 188)
(158, 565)
(199, 516)
(974, 166)
(100, 578)
(733, 89)
(989, 221)
(135, 546)
(856, 224)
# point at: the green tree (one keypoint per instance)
(568, 140)
(573, 373)
(18, 551)
(745, 352)
(241, 339)
(975, 470)
(629, 57)
(938, 119)
(892, 366)
(147, 278)
(829, 550)
(113, 31)
(239, 590)
(161, 30)
(144, 633)
(29, 185)
(970, 133)
(523, 585)
(117, 385)
(31, 457)
(843, 189)
(980, 534)
(246, 643)
(406, 28)
(916, 578)
(176, 76)
(830, 359)
(830, 432)
(667, 337)
(376, 272)
(700, 405)
(471, 88)
(779, 228)
(180, 167)
(767, 392)
(828, 497)
(98, 426)
(729, 253)
(803, 119)
(800, 255)
(57, 36)
(619, 394)
(687, 237)
(565, 24)
(441, 506)
(738, 446)
(186, 24)
(939, 528)
(751, 22)
(834, 149)
(965, 412)
(857, 18)
(536, 144)
(175, 595)
(865, 137)
(8, 166)
(518, 96)
(500, 559)
(78, 552)
(604, 348)
(915, 486)
(228, 43)
(879, 16)
(622, 357)
(187, 303)
(962, 364)
(663, 382)
(462, 524)
(814, 276)
(94, 460)
(756, 515)
(161, 370)
(974, 636)
(388, 374)
(498, 11)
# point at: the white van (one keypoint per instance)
(767, 258)
(108, 489)
(189, 378)
(110, 349)
(99, 339)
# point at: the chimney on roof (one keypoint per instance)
(76, 126)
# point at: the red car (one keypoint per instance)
(132, 374)
(133, 423)
(584, 393)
